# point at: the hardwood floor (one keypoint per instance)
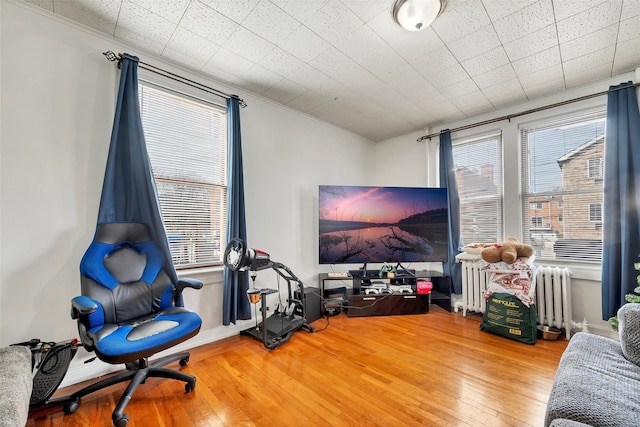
(435, 369)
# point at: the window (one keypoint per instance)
(595, 212)
(478, 166)
(187, 144)
(594, 168)
(554, 155)
(535, 205)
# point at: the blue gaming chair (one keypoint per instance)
(129, 310)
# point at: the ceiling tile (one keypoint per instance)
(545, 88)
(315, 80)
(236, 11)
(281, 62)
(535, 42)
(248, 44)
(101, 16)
(525, 21)
(228, 62)
(629, 28)
(304, 44)
(541, 76)
(284, 91)
(459, 89)
(333, 22)
(498, 10)
(207, 23)
(171, 10)
(566, 8)
(457, 22)
(367, 10)
(590, 43)
(258, 79)
(592, 60)
(509, 99)
(495, 58)
(179, 57)
(341, 68)
(444, 77)
(271, 22)
(411, 45)
(362, 43)
(143, 28)
(301, 10)
(589, 75)
(539, 61)
(630, 8)
(307, 101)
(495, 76)
(192, 46)
(589, 21)
(473, 103)
(445, 112)
(627, 56)
(504, 89)
(475, 44)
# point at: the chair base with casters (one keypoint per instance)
(136, 373)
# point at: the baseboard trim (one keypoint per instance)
(82, 370)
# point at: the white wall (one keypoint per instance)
(586, 285)
(58, 99)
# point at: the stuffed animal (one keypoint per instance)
(507, 251)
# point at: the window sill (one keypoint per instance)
(204, 274)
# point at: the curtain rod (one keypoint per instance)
(111, 56)
(522, 113)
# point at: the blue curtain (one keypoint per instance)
(448, 181)
(621, 225)
(235, 304)
(128, 190)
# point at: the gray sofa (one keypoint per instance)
(598, 379)
(16, 384)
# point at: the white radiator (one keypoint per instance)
(553, 297)
(474, 282)
(553, 293)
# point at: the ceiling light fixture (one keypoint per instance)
(416, 15)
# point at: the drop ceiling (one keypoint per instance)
(348, 63)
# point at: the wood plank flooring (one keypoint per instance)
(434, 369)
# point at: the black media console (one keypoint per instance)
(367, 303)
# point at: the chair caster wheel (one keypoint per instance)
(71, 407)
(122, 422)
(183, 362)
(190, 386)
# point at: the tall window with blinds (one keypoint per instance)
(562, 186)
(478, 167)
(187, 144)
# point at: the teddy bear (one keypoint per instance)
(507, 251)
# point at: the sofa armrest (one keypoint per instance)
(629, 330)
(16, 384)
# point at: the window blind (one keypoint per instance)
(478, 168)
(562, 186)
(187, 145)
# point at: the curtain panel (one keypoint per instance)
(129, 190)
(621, 219)
(235, 304)
(448, 181)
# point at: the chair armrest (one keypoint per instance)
(82, 306)
(629, 330)
(187, 282)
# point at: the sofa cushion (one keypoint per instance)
(563, 422)
(595, 384)
(15, 385)
(629, 329)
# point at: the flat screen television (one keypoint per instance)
(366, 224)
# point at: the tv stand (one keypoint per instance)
(382, 304)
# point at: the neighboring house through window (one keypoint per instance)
(562, 173)
(478, 168)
